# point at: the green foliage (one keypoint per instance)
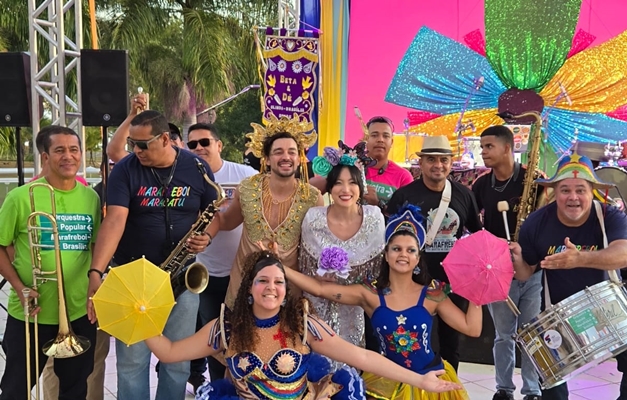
(233, 123)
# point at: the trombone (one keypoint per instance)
(67, 344)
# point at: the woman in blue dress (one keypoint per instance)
(269, 340)
(401, 305)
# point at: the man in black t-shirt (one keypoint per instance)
(154, 196)
(565, 239)
(436, 160)
(505, 183)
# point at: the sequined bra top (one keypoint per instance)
(405, 335)
(277, 370)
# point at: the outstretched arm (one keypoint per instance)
(116, 147)
(352, 295)
(469, 324)
(191, 348)
(340, 350)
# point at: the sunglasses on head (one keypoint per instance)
(142, 144)
(204, 142)
(382, 119)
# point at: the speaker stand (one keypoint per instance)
(20, 156)
(104, 167)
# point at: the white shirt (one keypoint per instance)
(219, 256)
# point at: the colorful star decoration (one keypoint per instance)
(403, 342)
(525, 63)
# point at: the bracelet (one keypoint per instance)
(99, 272)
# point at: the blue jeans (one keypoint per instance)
(133, 362)
(526, 296)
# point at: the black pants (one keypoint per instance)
(72, 372)
(210, 301)
(449, 337)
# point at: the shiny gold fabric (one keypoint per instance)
(385, 389)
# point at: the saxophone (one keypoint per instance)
(194, 278)
(529, 199)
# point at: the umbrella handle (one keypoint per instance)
(512, 306)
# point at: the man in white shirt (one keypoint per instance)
(218, 258)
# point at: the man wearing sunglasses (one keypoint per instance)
(385, 177)
(154, 196)
(206, 144)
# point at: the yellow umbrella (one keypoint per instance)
(134, 301)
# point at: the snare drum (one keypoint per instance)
(576, 334)
(617, 176)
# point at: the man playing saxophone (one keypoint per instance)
(77, 215)
(506, 183)
(154, 196)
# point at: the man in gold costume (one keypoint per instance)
(273, 203)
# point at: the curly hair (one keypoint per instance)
(291, 321)
(383, 281)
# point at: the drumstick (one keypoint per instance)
(503, 207)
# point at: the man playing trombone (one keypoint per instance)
(51, 223)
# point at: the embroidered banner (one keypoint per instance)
(290, 81)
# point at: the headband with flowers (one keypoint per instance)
(344, 155)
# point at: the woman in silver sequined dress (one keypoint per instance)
(344, 230)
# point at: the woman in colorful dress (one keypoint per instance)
(347, 228)
(269, 340)
(401, 304)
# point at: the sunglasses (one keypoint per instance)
(174, 136)
(380, 119)
(142, 144)
(204, 142)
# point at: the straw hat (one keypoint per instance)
(435, 145)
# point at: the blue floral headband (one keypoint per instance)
(409, 218)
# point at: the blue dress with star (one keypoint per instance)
(279, 369)
(405, 338)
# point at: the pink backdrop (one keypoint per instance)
(381, 32)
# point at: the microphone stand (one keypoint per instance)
(246, 89)
(459, 127)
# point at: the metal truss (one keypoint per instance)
(289, 15)
(50, 23)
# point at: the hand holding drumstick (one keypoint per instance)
(503, 207)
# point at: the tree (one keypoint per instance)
(191, 53)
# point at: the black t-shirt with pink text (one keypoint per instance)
(159, 216)
(542, 234)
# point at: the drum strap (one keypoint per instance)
(439, 216)
(599, 211)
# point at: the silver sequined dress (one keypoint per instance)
(365, 250)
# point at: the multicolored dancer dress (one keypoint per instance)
(278, 368)
(405, 337)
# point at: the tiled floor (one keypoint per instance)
(600, 383)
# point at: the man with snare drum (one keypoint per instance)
(565, 238)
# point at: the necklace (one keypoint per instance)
(514, 175)
(267, 322)
(269, 203)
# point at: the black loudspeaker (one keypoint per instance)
(104, 87)
(15, 103)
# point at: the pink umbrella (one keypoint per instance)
(480, 268)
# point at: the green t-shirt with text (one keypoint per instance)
(78, 220)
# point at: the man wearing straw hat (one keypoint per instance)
(448, 208)
(566, 238)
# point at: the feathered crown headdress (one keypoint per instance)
(408, 218)
(343, 155)
(295, 126)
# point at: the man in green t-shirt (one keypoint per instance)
(77, 218)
